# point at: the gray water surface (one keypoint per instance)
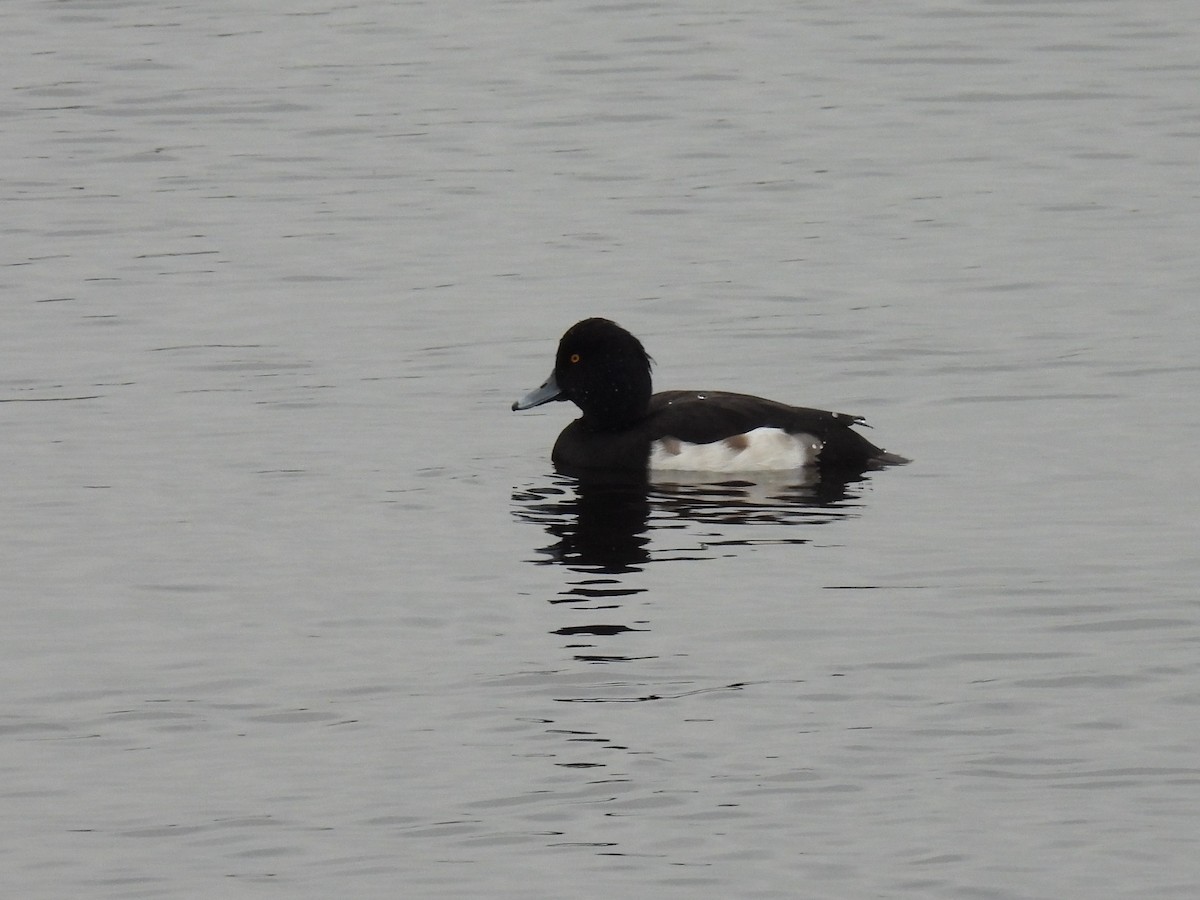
(294, 605)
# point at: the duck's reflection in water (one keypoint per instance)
(607, 529)
(607, 524)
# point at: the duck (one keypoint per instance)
(625, 427)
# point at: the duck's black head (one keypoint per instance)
(602, 369)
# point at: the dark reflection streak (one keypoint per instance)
(596, 629)
(596, 658)
(736, 686)
(48, 399)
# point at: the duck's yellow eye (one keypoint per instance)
(574, 357)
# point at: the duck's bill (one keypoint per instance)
(547, 392)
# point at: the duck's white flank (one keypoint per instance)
(760, 450)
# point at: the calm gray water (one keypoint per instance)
(294, 606)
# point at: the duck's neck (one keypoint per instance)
(617, 401)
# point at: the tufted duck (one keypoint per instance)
(605, 371)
